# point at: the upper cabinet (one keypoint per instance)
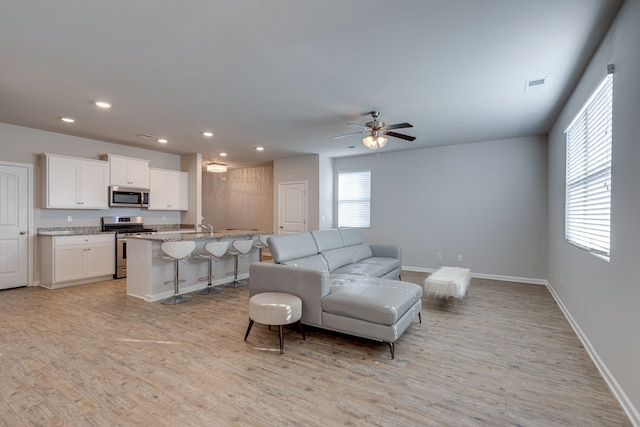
(128, 172)
(168, 190)
(75, 183)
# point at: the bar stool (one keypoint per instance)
(261, 243)
(237, 248)
(176, 251)
(212, 250)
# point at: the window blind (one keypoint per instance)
(354, 199)
(588, 192)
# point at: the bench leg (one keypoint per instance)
(248, 329)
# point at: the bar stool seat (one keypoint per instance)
(237, 248)
(175, 252)
(212, 250)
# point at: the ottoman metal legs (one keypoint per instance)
(275, 308)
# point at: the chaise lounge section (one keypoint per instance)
(345, 284)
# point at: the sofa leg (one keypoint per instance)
(304, 337)
(420, 317)
(392, 348)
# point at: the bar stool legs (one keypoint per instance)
(237, 248)
(212, 250)
(176, 251)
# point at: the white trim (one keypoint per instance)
(485, 276)
(614, 386)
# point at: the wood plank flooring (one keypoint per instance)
(91, 356)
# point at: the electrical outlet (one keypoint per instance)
(439, 255)
(459, 257)
(69, 218)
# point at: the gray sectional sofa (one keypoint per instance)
(345, 284)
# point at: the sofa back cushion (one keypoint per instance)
(361, 251)
(351, 236)
(327, 240)
(337, 258)
(291, 246)
(313, 262)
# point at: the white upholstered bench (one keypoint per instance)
(448, 282)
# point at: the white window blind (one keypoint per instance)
(588, 192)
(354, 199)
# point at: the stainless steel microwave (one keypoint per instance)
(128, 197)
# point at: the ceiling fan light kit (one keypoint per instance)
(376, 130)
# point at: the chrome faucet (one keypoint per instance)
(208, 227)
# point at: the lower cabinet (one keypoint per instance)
(75, 260)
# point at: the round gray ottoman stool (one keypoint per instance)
(275, 308)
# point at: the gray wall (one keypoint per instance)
(602, 297)
(485, 201)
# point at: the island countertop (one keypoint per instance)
(198, 235)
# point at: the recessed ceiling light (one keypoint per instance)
(163, 141)
(68, 119)
(207, 134)
(103, 104)
(260, 148)
(223, 154)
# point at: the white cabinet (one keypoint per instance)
(128, 172)
(74, 260)
(168, 190)
(75, 183)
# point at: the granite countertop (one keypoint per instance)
(71, 231)
(193, 235)
(78, 231)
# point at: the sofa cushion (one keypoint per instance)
(313, 262)
(291, 246)
(351, 236)
(338, 257)
(327, 240)
(374, 300)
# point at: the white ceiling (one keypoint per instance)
(288, 74)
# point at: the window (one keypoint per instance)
(588, 192)
(354, 199)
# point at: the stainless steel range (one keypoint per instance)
(124, 226)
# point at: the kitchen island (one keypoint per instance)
(151, 278)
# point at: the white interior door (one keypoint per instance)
(14, 222)
(292, 207)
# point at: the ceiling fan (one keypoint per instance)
(376, 130)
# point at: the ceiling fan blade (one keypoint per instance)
(399, 126)
(356, 124)
(401, 136)
(347, 134)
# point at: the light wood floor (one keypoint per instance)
(91, 356)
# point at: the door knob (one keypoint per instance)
(22, 233)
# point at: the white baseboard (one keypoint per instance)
(614, 386)
(485, 276)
